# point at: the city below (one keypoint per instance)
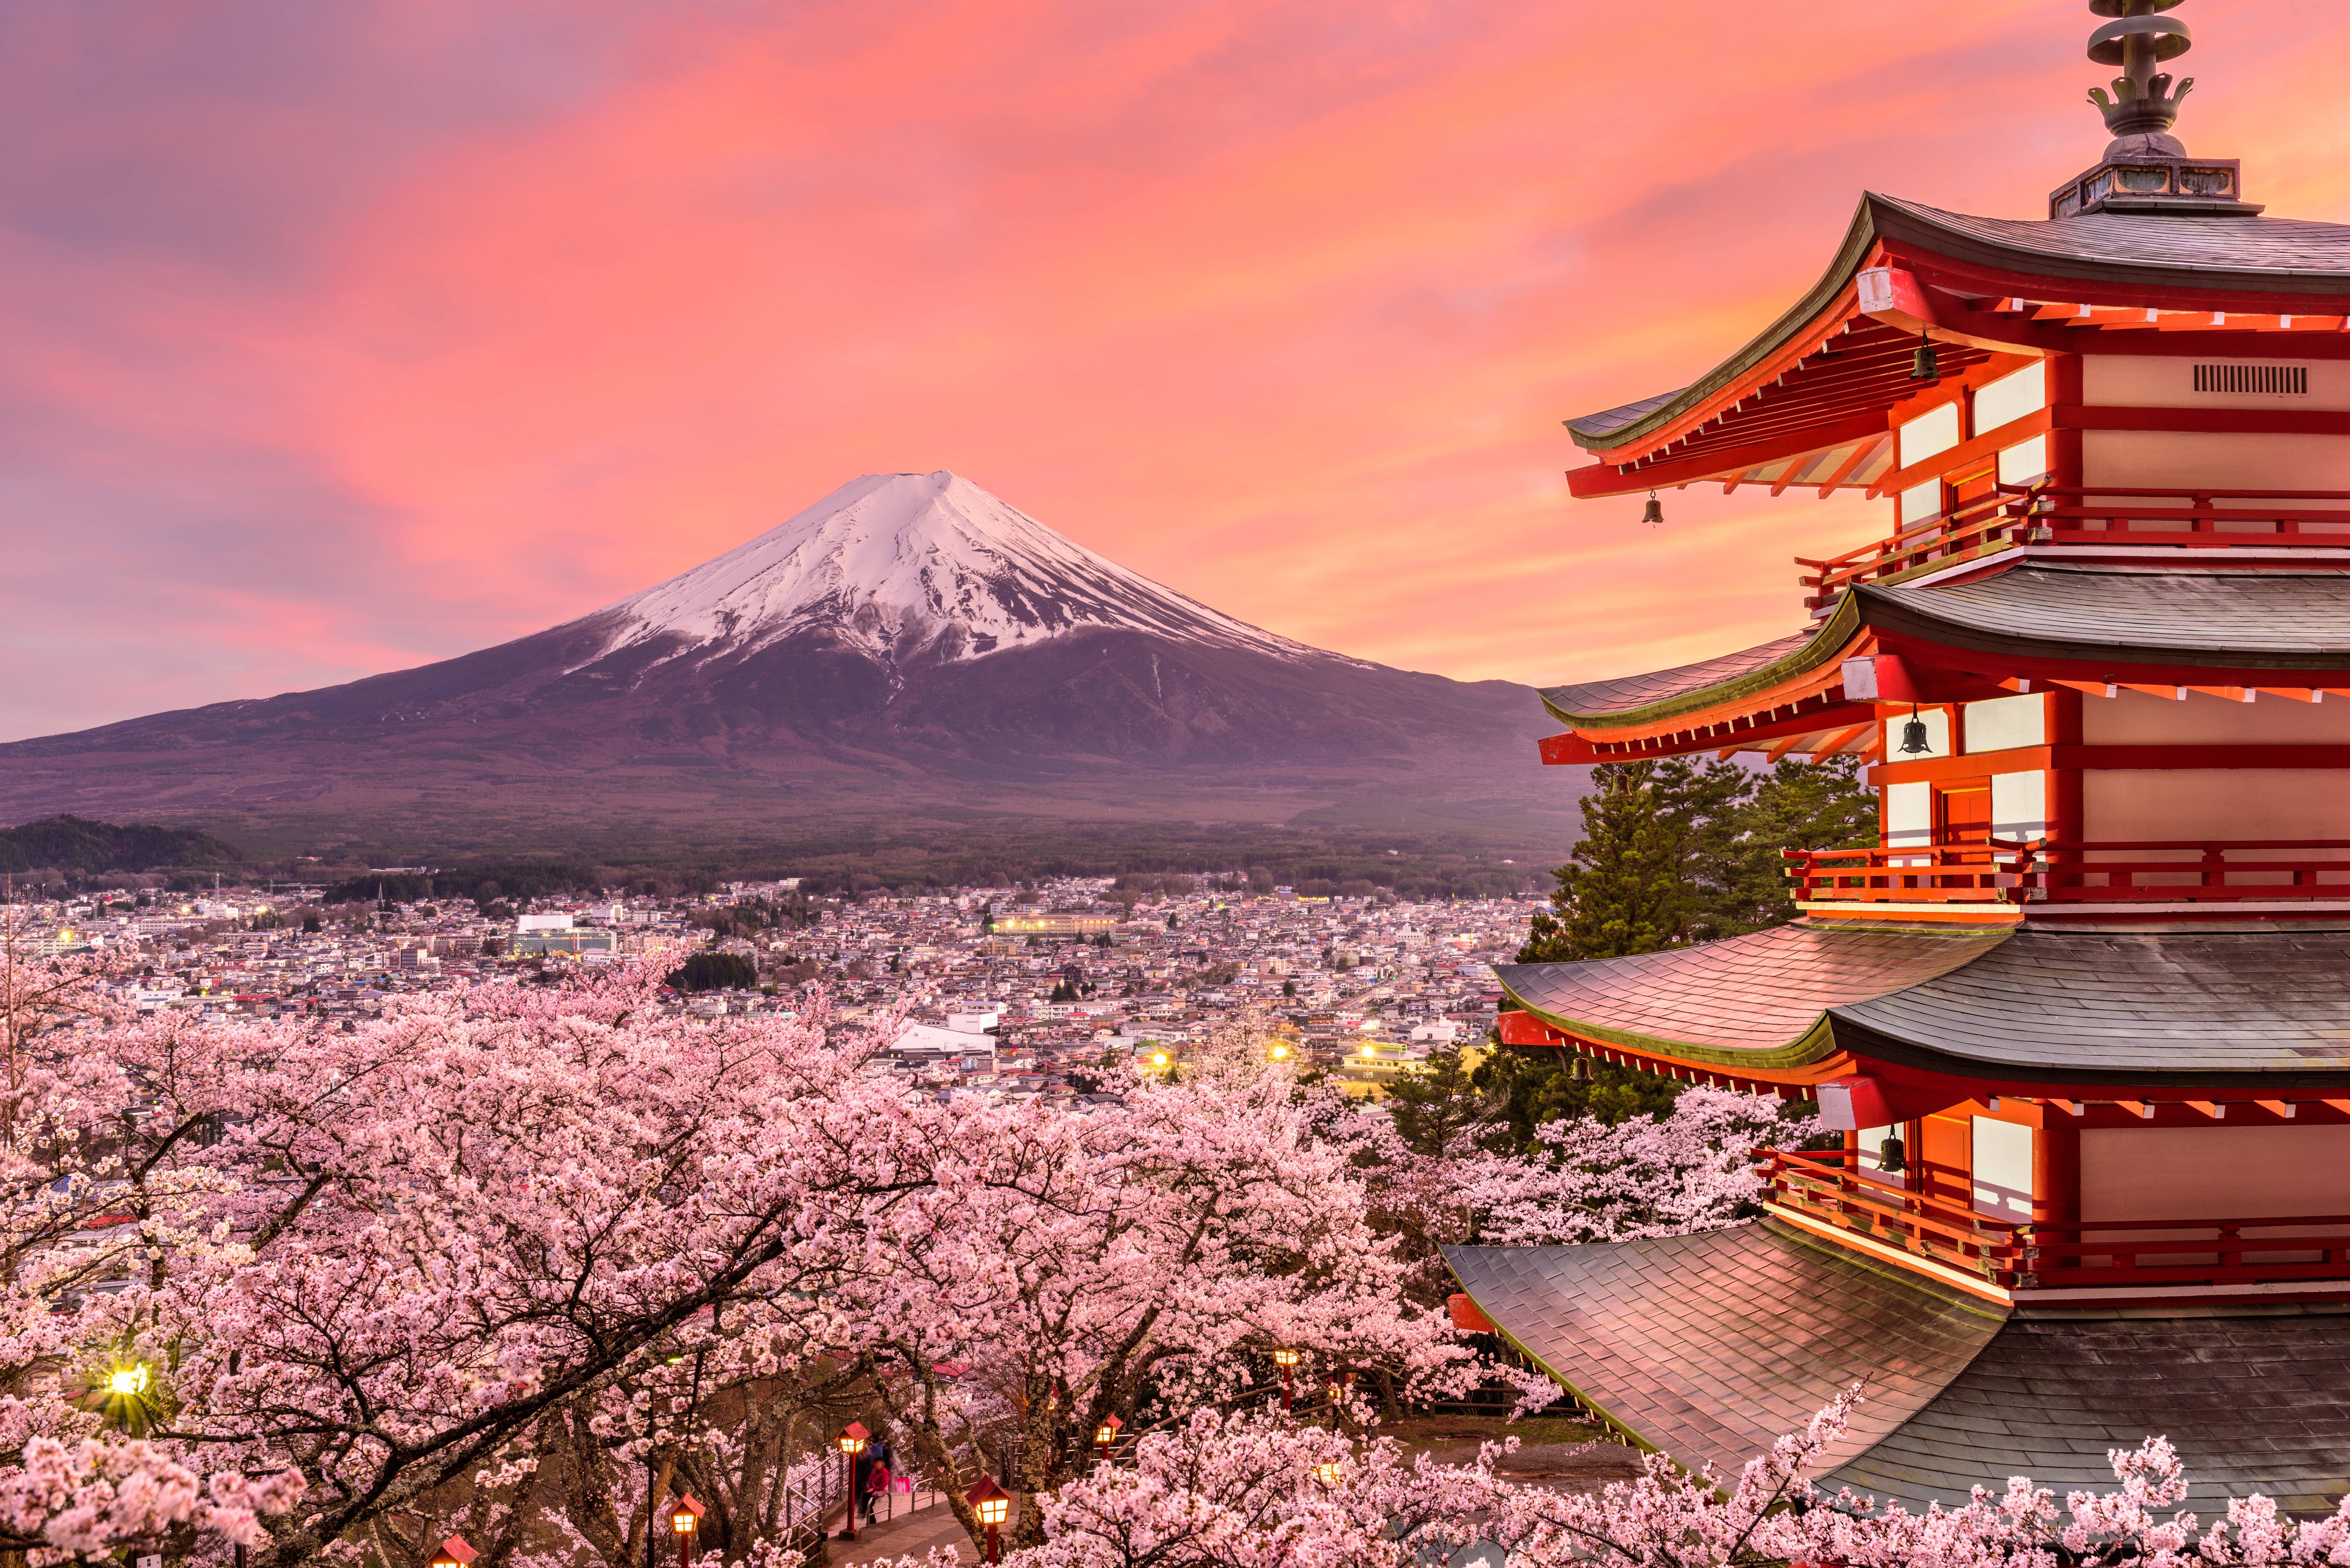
(1007, 992)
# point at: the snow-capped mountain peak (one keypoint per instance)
(905, 562)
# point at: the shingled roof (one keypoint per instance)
(2193, 255)
(2245, 617)
(2193, 1007)
(2214, 617)
(1709, 1346)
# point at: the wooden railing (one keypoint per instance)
(2074, 871)
(1968, 873)
(1827, 1187)
(2084, 516)
(1972, 529)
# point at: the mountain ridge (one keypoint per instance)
(909, 644)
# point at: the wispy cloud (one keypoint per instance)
(343, 337)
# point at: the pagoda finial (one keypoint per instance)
(2144, 105)
(2143, 170)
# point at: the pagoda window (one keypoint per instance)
(2003, 1168)
(1921, 501)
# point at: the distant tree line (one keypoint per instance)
(78, 844)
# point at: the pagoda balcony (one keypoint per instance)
(2100, 1256)
(2088, 519)
(2063, 871)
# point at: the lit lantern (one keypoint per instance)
(851, 1443)
(992, 1505)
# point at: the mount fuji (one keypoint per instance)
(910, 648)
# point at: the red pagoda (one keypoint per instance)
(2083, 1011)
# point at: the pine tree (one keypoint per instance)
(1623, 892)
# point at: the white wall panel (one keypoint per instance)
(1935, 430)
(1908, 815)
(2139, 719)
(2003, 1168)
(2143, 381)
(2003, 724)
(2152, 458)
(2218, 1172)
(2019, 806)
(1938, 736)
(2010, 398)
(2193, 804)
(2026, 462)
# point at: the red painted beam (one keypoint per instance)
(1602, 478)
(2224, 422)
(2041, 759)
(1989, 444)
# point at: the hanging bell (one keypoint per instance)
(1891, 1156)
(1913, 736)
(1581, 1071)
(1929, 367)
(1654, 516)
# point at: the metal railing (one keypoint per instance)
(2088, 516)
(2074, 871)
(1827, 1187)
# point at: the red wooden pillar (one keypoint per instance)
(2064, 392)
(2056, 1181)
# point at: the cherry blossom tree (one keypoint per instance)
(1691, 1169)
(1254, 1492)
(518, 1259)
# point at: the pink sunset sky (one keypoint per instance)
(344, 337)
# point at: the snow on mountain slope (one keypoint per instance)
(907, 564)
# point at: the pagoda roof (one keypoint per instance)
(2242, 618)
(1803, 403)
(2064, 1004)
(1709, 1346)
(1638, 693)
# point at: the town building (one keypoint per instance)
(2081, 1013)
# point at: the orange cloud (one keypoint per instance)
(1278, 301)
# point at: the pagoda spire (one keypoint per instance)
(2145, 170)
(2145, 104)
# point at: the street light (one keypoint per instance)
(993, 1504)
(851, 1443)
(1326, 1472)
(1281, 1053)
(684, 1518)
(454, 1553)
(1287, 1361)
(1106, 1435)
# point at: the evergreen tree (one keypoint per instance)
(1623, 892)
(1674, 852)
